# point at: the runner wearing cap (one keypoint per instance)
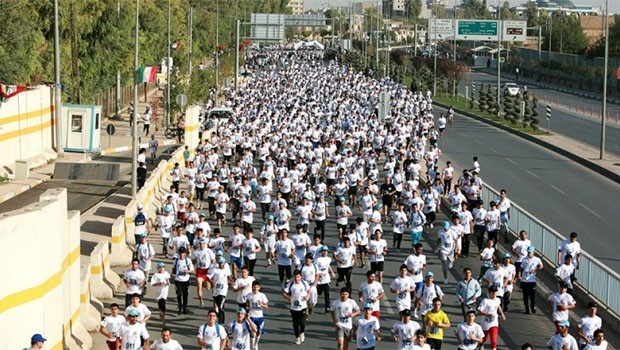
(404, 331)
(511, 276)
(220, 276)
(241, 330)
(530, 265)
(446, 247)
(427, 293)
(161, 281)
(563, 340)
(589, 324)
(366, 329)
(133, 334)
(469, 334)
(325, 274)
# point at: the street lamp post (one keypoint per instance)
(499, 55)
(57, 85)
(605, 72)
(168, 74)
(217, 48)
(454, 52)
(134, 139)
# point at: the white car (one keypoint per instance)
(511, 89)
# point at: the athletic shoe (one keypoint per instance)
(302, 336)
(298, 340)
(446, 282)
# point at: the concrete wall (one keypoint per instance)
(43, 250)
(26, 121)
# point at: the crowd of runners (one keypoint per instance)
(317, 184)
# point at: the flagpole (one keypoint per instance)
(57, 86)
(134, 138)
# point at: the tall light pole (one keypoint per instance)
(217, 45)
(434, 16)
(377, 41)
(134, 133)
(550, 34)
(191, 39)
(168, 73)
(454, 51)
(605, 72)
(499, 55)
(60, 152)
(237, 29)
(117, 102)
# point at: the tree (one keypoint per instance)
(413, 8)
(533, 15)
(598, 48)
(567, 36)
(527, 116)
(534, 120)
(475, 9)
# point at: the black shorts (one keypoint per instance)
(377, 266)
(352, 190)
(361, 249)
(161, 305)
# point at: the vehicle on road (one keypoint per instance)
(511, 89)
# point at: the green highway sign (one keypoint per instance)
(478, 30)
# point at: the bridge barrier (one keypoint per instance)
(120, 254)
(104, 281)
(594, 279)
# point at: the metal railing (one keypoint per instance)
(595, 277)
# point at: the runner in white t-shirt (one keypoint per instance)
(343, 312)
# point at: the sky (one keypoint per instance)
(614, 5)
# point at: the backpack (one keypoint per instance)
(424, 287)
(176, 263)
(245, 323)
(140, 219)
(217, 329)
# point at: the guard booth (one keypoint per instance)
(81, 128)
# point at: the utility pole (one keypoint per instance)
(550, 33)
(605, 72)
(454, 50)
(237, 56)
(117, 102)
(377, 41)
(60, 152)
(168, 74)
(499, 55)
(134, 138)
(217, 45)
(191, 39)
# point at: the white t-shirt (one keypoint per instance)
(588, 325)
(343, 311)
(529, 268)
(213, 335)
(447, 240)
(322, 263)
(415, 266)
(490, 306)
(131, 334)
(520, 248)
(346, 256)
(464, 330)
(256, 300)
(377, 247)
(298, 293)
(135, 279)
(240, 335)
(236, 244)
(496, 278)
(557, 342)
(219, 279)
(141, 308)
(113, 325)
(285, 249)
(162, 289)
(405, 333)
(246, 284)
(365, 332)
(403, 285)
(170, 345)
(183, 269)
(426, 294)
(371, 291)
(558, 299)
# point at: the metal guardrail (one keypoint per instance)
(595, 277)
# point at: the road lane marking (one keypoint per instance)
(478, 142)
(512, 161)
(589, 210)
(533, 174)
(557, 189)
(494, 151)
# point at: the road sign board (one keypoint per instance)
(476, 30)
(181, 100)
(548, 115)
(440, 29)
(514, 31)
(110, 129)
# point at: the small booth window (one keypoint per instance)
(76, 123)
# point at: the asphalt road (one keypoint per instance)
(563, 194)
(319, 331)
(576, 125)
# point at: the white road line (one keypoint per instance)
(494, 151)
(478, 142)
(512, 161)
(532, 173)
(557, 189)
(589, 210)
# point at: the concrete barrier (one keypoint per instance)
(130, 211)
(46, 282)
(91, 308)
(192, 127)
(104, 281)
(120, 254)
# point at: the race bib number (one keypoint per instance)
(344, 319)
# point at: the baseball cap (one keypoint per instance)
(241, 310)
(492, 288)
(324, 248)
(140, 206)
(221, 259)
(506, 256)
(368, 306)
(134, 312)
(405, 312)
(429, 274)
(203, 240)
(269, 217)
(564, 323)
(219, 252)
(161, 264)
(182, 250)
(470, 311)
(37, 338)
(446, 224)
(531, 249)
(144, 235)
(202, 215)
(592, 304)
